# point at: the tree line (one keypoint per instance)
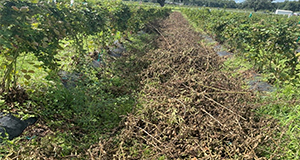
(270, 5)
(256, 5)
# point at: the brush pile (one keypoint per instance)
(190, 109)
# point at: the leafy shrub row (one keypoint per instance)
(39, 28)
(267, 40)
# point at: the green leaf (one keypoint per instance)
(34, 1)
(9, 58)
(37, 66)
(2, 66)
(60, 47)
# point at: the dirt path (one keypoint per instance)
(190, 108)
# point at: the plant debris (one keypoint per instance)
(191, 109)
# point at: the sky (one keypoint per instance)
(275, 0)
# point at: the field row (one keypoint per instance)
(268, 41)
(40, 29)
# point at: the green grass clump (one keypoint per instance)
(283, 105)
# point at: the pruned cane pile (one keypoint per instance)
(190, 109)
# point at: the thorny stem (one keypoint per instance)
(161, 35)
(11, 67)
(182, 104)
(148, 134)
(224, 107)
(211, 116)
(216, 102)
